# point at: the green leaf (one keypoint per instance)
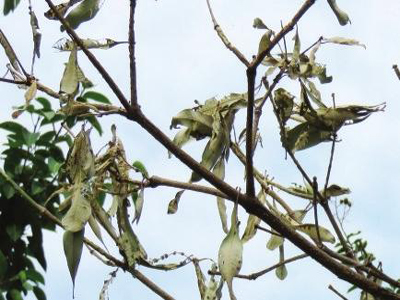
(73, 243)
(34, 276)
(14, 231)
(9, 5)
(83, 12)
(219, 171)
(95, 123)
(3, 264)
(173, 204)
(342, 17)
(15, 294)
(44, 102)
(30, 138)
(7, 190)
(139, 167)
(96, 97)
(14, 127)
(39, 293)
(311, 231)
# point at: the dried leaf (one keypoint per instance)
(334, 190)
(73, 243)
(284, 103)
(281, 271)
(61, 8)
(342, 17)
(259, 24)
(80, 157)
(219, 171)
(69, 83)
(296, 48)
(30, 93)
(37, 36)
(274, 241)
(304, 136)
(311, 231)
(65, 44)
(200, 124)
(215, 146)
(79, 212)
(12, 57)
(344, 41)
(265, 41)
(181, 138)
(139, 205)
(173, 204)
(95, 228)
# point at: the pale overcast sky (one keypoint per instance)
(180, 59)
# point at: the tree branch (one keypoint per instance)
(225, 40)
(251, 77)
(134, 100)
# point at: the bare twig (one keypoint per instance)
(150, 284)
(336, 292)
(259, 108)
(315, 204)
(134, 100)
(224, 39)
(263, 272)
(267, 230)
(40, 86)
(156, 181)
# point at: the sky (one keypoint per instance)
(181, 59)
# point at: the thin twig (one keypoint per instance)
(132, 62)
(156, 181)
(268, 231)
(259, 108)
(263, 272)
(40, 86)
(224, 39)
(336, 292)
(150, 284)
(315, 204)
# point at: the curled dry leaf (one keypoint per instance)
(311, 231)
